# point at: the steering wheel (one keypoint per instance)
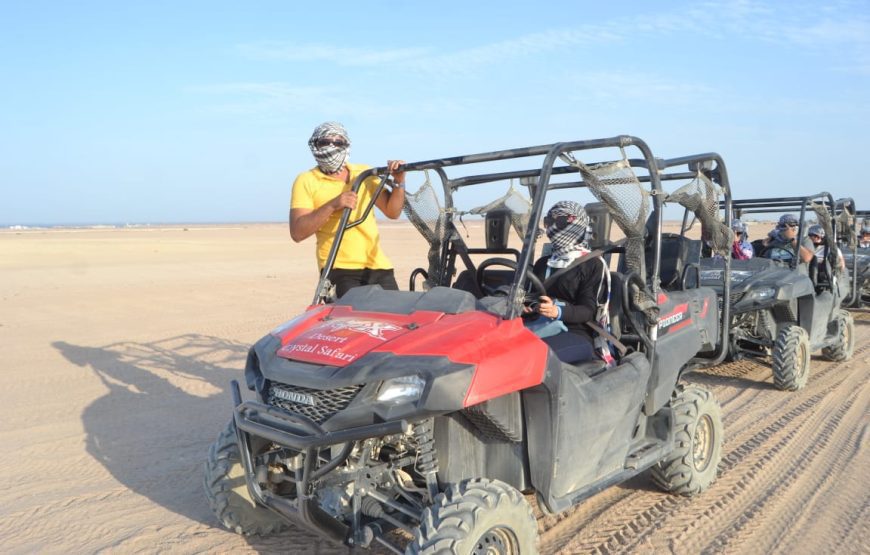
(538, 288)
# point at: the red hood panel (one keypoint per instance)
(507, 357)
(345, 335)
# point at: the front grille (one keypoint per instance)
(736, 297)
(315, 404)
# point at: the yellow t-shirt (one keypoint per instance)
(360, 246)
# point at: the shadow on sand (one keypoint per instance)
(166, 403)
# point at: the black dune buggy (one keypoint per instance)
(857, 259)
(781, 310)
(421, 417)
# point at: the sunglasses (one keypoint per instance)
(320, 143)
(558, 221)
(791, 225)
(814, 236)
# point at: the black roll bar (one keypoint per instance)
(540, 190)
(719, 175)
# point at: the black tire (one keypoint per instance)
(227, 490)
(691, 467)
(844, 346)
(477, 516)
(791, 358)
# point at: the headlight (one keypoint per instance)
(763, 293)
(401, 390)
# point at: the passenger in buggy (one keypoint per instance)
(816, 234)
(578, 295)
(864, 241)
(741, 249)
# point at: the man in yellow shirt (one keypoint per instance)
(321, 194)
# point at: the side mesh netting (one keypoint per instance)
(517, 204)
(701, 196)
(616, 185)
(425, 213)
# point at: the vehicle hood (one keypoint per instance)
(756, 274)
(338, 336)
(744, 273)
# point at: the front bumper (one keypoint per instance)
(301, 434)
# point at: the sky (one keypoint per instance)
(171, 112)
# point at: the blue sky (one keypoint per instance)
(164, 112)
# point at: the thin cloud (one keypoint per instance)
(282, 98)
(808, 25)
(622, 86)
(830, 32)
(288, 51)
(468, 59)
(259, 98)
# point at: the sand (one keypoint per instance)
(118, 346)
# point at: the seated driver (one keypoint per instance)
(782, 242)
(573, 299)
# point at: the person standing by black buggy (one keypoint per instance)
(321, 194)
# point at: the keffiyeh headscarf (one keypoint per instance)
(566, 225)
(330, 158)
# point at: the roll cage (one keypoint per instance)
(822, 204)
(538, 180)
(712, 167)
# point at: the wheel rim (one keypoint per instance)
(802, 361)
(702, 449)
(496, 541)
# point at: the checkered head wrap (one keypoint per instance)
(330, 158)
(567, 237)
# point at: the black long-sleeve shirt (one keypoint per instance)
(578, 289)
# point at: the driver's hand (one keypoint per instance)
(547, 307)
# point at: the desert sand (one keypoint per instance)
(118, 347)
